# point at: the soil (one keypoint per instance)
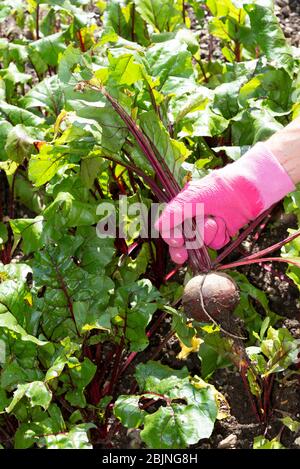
(288, 12)
(282, 293)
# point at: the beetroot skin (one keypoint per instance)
(216, 291)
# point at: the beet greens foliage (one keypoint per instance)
(78, 312)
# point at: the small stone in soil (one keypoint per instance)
(228, 442)
(285, 12)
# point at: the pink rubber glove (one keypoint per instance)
(231, 197)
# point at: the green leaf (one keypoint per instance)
(76, 438)
(127, 410)
(153, 372)
(13, 52)
(65, 357)
(5, 127)
(280, 348)
(30, 230)
(94, 253)
(44, 166)
(212, 359)
(19, 143)
(292, 249)
(71, 293)
(56, 369)
(228, 24)
(204, 123)
(26, 194)
(4, 401)
(260, 442)
(12, 375)
(37, 393)
(269, 36)
(252, 319)
(125, 21)
(124, 71)
(171, 62)
(181, 327)
(249, 289)
(49, 48)
(49, 422)
(214, 352)
(16, 115)
(80, 376)
(272, 89)
(4, 12)
(8, 321)
(97, 127)
(196, 99)
(225, 100)
(3, 233)
(225, 7)
(264, 327)
(252, 126)
(177, 424)
(15, 301)
(25, 436)
(47, 25)
(11, 77)
(47, 95)
(132, 269)
(172, 151)
(291, 424)
(89, 169)
(162, 16)
(137, 303)
(70, 212)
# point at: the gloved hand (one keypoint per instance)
(231, 197)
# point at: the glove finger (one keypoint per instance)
(178, 255)
(173, 237)
(187, 204)
(221, 237)
(210, 230)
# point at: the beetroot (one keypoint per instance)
(214, 292)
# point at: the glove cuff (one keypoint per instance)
(266, 173)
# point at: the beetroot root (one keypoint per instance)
(214, 293)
